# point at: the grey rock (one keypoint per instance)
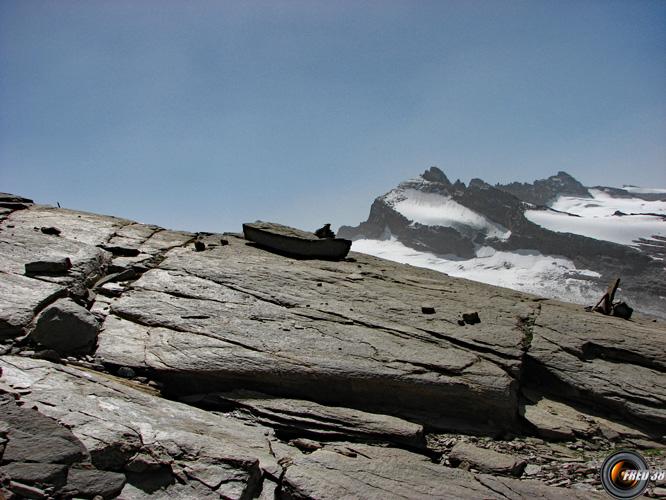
(374, 472)
(91, 482)
(56, 266)
(532, 470)
(26, 491)
(54, 231)
(65, 327)
(471, 318)
(49, 355)
(126, 372)
(555, 420)
(23, 447)
(117, 422)
(601, 360)
(325, 422)
(486, 460)
(13, 198)
(20, 300)
(380, 347)
(40, 474)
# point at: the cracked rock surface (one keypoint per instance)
(247, 374)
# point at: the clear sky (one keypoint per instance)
(202, 115)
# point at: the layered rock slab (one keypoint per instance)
(379, 473)
(605, 362)
(212, 321)
(126, 430)
(241, 317)
(295, 418)
(165, 449)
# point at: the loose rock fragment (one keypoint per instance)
(428, 309)
(199, 246)
(66, 327)
(471, 318)
(50, 230)
(56, 266)
(126, 372)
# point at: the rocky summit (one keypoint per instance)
(139, 362)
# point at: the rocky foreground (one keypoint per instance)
(139, 362)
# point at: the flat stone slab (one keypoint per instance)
(201, 333)
(299, 417)
(356, 470)
(486, 460)
(617, 365)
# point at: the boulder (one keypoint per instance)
(21, 298)
(65, 327)
(88, 482)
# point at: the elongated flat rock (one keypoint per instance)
(345, 471)
(299, 417)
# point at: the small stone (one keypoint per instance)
(324, 232)
(50, 230)
(427, 309)
(48, 354)
(532, 470)
(126, 372)
(471, 318)
(461, 322)
(55, 266)
(306, 444)
(199, 246)
(224, 242)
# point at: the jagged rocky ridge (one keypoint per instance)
(506, 228)
(234, 372)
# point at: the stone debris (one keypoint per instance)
(426, 309)
(199, 246)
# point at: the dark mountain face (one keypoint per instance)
(545, 191)
(504, 206)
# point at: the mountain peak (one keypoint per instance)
(434, 174)
(545, 191)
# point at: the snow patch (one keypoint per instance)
(597, 220)
(524, 270)
(433, 209)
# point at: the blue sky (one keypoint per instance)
(202, 115)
